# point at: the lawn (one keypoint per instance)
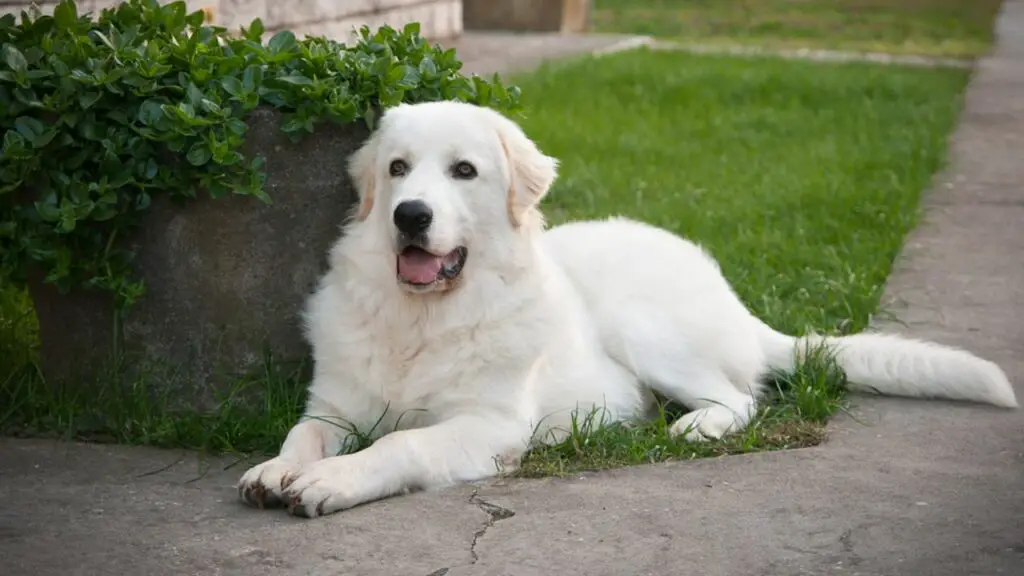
(801, 178)
(950, 28)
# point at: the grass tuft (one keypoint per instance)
(943, 28)
(793, 415)
(253, 415)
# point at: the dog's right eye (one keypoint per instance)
(398, 168)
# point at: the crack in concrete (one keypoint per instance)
(846, 540)
(495, 514)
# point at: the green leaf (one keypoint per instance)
(236, 126)
(142, 201)
(14, 59)
(89, 128)
(407, 77)
(65, 15)
(199, 154)
(428, 69)
(196, 19)
(151, 112)
(75, 161)
(44, 138)
(283, 41)
(28, 127)
(14, 146)
(231, 85)
(47, 208)
(186, 111)
(293, 124)
(27, 97)
(86, 99)
(66, 223)
(295, 79)
(260, 194)
(252, 78)
(151, 169)
(255, 31)
(103, 38)
(210, 106)
(195, 95)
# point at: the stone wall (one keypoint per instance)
(568, 16)
(337, 19)
(216, 298)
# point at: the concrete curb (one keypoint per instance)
(812, 54)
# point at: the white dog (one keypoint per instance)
(459, 330)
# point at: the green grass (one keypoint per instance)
(950, 28)
(801, 178)
(794, 417)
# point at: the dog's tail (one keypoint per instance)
(896, 366)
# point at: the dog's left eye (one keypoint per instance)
(464, 170)
(398, 168)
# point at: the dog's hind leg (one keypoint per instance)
(718, 407)
(716, 376)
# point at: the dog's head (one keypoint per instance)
(444, 181)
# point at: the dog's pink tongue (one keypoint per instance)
(418, 266)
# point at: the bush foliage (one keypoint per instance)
(100, 115)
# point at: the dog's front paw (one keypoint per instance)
(323, 487)
(263, 484)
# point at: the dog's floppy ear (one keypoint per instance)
(531, 171)
(362, 166)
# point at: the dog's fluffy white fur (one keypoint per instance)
(455, 383)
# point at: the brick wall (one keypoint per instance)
(439, 19)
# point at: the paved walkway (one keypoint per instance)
(911, 488)
(808, 54)
(507, 52)
(485, 53)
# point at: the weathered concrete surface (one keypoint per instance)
(92, 510)
(216, 296)
(909, 488)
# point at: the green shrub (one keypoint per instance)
(100, 116)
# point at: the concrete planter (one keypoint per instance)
(527, 15)
(226, 278)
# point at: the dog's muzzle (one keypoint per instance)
(419, 267)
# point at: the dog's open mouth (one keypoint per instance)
(419, 267)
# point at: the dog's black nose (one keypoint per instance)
(413, 217)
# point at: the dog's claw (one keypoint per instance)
(259, 485)
(294, 504)
(296, 507)
(256, 495)
(299, 508)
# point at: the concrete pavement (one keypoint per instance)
(902, 488)
(485, 53)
